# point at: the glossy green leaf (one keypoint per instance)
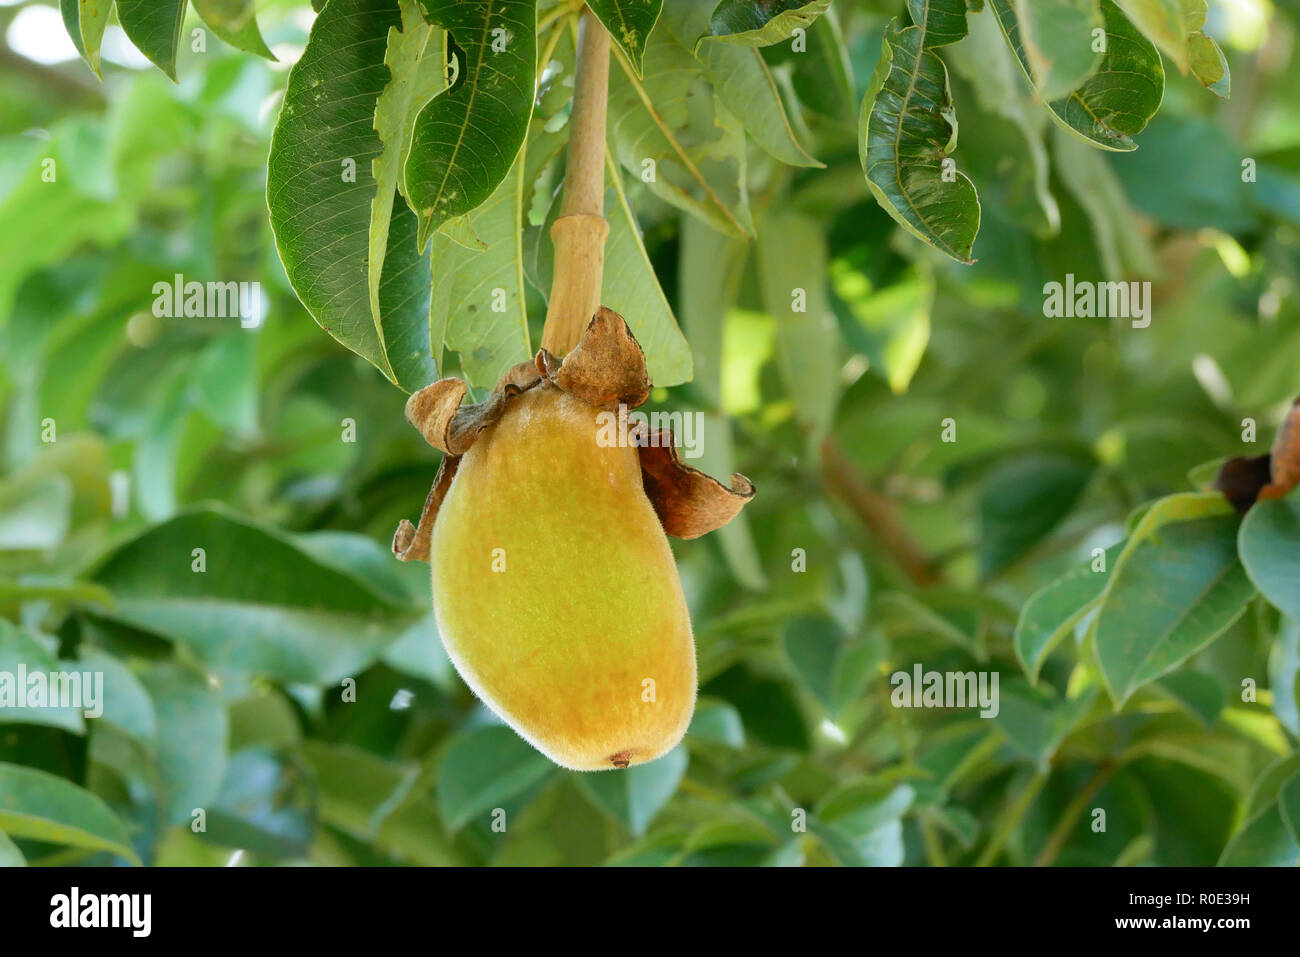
(43, 807)
(193, 730)
(85, 21)
(760, 23)
(154, 26)
(235, 21)
(287, 615)
(320, 191)
(906, 132)
(482, 770)
(1270, 549)
(1173, 594)
(629, 23)
(634, 796)
(1059, 42)
(1115, 103)
(1053, 610)
(464, 142)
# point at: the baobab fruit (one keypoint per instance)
(554, 586)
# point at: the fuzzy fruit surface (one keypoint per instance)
(581, 638)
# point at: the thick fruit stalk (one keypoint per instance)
(556, 592)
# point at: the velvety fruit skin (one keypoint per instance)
(564, 642)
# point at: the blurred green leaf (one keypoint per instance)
(1177, 591)
(635, 795)
(1057, 607)
(286, 615)
(193, 730)
(482, 770)
(1267, 541)
(47, 808)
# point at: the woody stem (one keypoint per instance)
(580, 231)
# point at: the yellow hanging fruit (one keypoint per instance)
(554, 586)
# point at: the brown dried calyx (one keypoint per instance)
(607, 369)
(1247, 480)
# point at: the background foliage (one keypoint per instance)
(225, 687)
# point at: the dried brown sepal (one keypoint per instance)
(607, 366)
(411, 543)
(689, 502)
(1245, 481)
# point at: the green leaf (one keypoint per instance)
(942, 21)
(745, 85)
(235, 21)
(1284, 675)
(1177, 28)
(1288, 803)
(377, 802)
(670, 129)
(635, 795)
(478, 303)
(286, 615)
(1169, 597)
(1053, 610)
(20, 648)
(1058, 42)
(812, 646)
(1123, 250)
(126, 702)
(483, 769)
(629, 23)
(760, 23)
(415, 58)
(43, 807)
(792, 276)
(1022, 500)
(193, 730)
(710, 267)
(320, 191)
(1037, 721)
(1010, 113)
(1199, 693)
(716, 722)
(264, 805)
(1268, 544)
(823, 75)
(906, 130)
(1263, 841)
(85, 21)
(465, 141)
(1115, 103)
(154, 26)
(10, 856)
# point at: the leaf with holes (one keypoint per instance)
(907, 130)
